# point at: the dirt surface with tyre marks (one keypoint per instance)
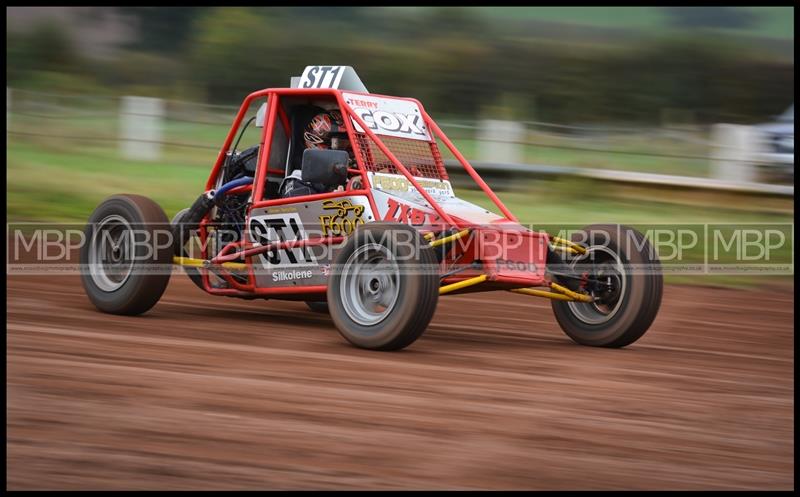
(208, 392)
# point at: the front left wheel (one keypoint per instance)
(126, 256)
(384, 286)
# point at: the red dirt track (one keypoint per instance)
(210, 393)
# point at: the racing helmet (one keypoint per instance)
(326, 130)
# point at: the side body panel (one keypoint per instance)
(302, 266)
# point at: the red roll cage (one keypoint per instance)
(366, 145)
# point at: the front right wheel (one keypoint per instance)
(384, 286)
(622, 273)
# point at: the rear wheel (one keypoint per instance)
(384, 287)
(625, 279)
(191, 248)
(127, 255)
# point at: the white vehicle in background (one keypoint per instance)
(778, 156)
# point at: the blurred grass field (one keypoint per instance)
(656, 151)
(51, 182)
(57, 179)
(772, 21)
(67, 150)
(641, 154)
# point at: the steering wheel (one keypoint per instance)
(354, 183)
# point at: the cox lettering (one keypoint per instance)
(408, 124)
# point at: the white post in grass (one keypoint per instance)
(734, 148)
(499, 142)
(141, 128)
(8, 110)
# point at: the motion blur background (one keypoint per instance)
(643, 116)
(556, 106)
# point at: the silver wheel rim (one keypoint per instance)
(370, 284)
(596, 312)
(110, 253)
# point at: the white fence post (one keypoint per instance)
(499, 141)
(8, 110)
(141, 127)
(734, 148)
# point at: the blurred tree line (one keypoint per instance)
(457, 63)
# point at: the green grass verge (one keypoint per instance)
(637, 152)
(52, 180)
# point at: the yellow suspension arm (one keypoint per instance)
(559, 293)
(575, 295)
(543, 293)
(462, 284)
(188, 261)
(456, 236)
(567, 244)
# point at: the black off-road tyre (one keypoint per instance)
(614, 322)
(136, 274)
(384, 286)
(184, 251)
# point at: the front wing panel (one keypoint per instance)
(512, 253)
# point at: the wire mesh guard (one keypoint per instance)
(421, 158)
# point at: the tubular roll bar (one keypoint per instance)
(275, 111)
(466, 165)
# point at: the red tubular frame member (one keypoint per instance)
(465, 164)
(309, 242)
(212, 178)
(266, 145)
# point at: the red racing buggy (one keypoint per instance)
(365, 226)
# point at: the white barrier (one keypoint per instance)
(141, 127)
(689, 182)
(500, 141)
(735, 149)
